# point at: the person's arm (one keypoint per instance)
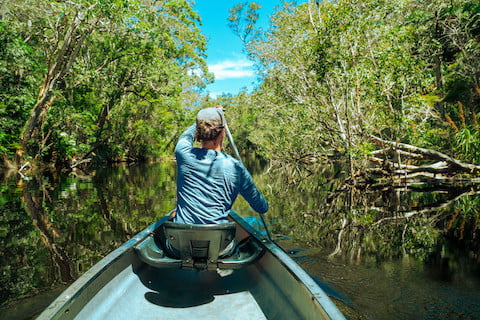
(185, 142)
(249, 192)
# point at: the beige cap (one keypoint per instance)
(212, 116)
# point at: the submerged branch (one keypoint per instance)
(408, 214)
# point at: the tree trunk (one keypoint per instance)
(60, 63)
(30, 131)
(438, 71)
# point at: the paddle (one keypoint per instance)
(237, 155)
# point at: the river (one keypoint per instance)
(380, 253)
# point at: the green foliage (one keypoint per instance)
(119, 90)
(18, 81)
(330, 74)
(468, 143)
(448, 37)
(333, 73)
(243, 17)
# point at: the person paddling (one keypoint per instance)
(208, 180)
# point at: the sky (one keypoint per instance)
(225, 56)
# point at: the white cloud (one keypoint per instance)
(215, 94)
(229, 69)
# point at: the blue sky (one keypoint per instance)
(225, 57)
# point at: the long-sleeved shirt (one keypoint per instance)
(208, 182)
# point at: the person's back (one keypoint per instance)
(208, 180)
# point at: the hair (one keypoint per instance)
(206, 131)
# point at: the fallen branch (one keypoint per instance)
(24, 166)
(75, 164)
(392, 164)
(405, 154)
(21, 169)
(452, 164)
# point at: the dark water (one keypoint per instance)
(380, 253)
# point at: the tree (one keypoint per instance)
(101, 57)
(335, 72)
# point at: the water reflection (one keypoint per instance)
(415, 220)
(411, 251)
(33, 204)
(54, 228)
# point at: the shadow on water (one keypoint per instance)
(332, 292)
(407, 252)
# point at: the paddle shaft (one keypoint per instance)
(234, 147)
(237, 155)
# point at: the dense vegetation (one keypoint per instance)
(116, 80)
(106, 80)
(333, 74)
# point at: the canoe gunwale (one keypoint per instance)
(64, 300)
(301, 275)
(60, 307)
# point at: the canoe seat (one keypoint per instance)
(198, 243)
(187, 246)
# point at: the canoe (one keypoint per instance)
(140, 281)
